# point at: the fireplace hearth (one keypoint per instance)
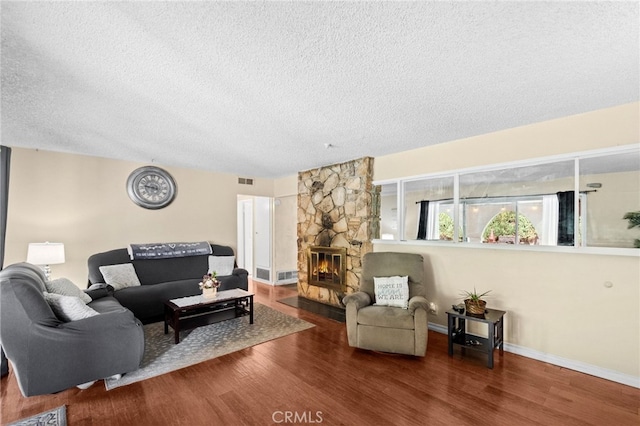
(327, 267)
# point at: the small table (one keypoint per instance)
(193, 311)
(458, 335)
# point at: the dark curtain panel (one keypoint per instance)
(566, 214)
(5, 161)
(422, 223)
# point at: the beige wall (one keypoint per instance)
(285, 234)
(285, 186)
(285, 224)
(82, 202)
(558, 303)
(600, 129)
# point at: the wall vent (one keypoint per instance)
(263, 274)
(287, 276)
(245, 181)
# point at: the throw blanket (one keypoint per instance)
(165, 250)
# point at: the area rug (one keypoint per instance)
(162, 355)
(55, 417)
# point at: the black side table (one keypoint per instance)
(458, 335)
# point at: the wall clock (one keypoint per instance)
(151, 187)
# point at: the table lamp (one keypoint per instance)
(46, 254)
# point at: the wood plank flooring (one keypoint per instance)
(314, 377)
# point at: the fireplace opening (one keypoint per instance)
(327, 267)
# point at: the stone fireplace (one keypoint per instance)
(338, 217)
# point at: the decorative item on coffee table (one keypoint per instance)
(209, 285)
(473, 302)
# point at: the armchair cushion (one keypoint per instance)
(386, 316)
(392, 291)
(68, 308)
(65, 287)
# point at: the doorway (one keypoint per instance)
(255, 239)
(245, 233)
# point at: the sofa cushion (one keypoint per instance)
(65, 287)
(222, 265)
(68, 308)
(120, 276)
(386, 316)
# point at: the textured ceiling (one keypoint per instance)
(258, 89)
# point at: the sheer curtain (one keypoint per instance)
(5, 161)
(549, 235)
(429, 223)
(433, 222)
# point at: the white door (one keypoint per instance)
(262, 239)
(245, 235)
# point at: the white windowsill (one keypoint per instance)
(607, 251)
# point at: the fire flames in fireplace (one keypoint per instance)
(327, 267)
(324, 272)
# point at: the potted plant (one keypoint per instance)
(473, 302)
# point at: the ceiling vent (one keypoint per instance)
(245, 181)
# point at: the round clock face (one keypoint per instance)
(151, 187)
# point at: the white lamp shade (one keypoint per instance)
(45, 253)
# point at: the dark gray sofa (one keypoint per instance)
(49, 355)
(162, 279)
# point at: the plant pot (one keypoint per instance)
(475, 307)
(209, 293)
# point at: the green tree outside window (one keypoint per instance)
(504, 224)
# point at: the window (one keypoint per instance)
(389, 211)
(531, 203)
(425, 200)
(532, 193)
(613, 182)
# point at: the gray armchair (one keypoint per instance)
(48, 355)
(385, 328)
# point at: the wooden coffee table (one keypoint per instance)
(190, 312)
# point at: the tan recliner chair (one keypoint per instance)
(385, 328)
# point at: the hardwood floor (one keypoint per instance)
(314, 377)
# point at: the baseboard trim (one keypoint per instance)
(582, 367)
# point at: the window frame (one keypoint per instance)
(578, 245)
